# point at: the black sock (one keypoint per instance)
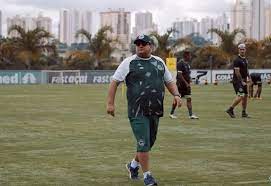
(172, 109)
(190, 111)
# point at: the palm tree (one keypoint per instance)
(266, 43)
(30, 45)
(166, 45)
(163, 48)
(227, 39)
(7, 52)
(99, 45)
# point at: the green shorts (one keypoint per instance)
(145, 131)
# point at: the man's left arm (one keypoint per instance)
(249, 77)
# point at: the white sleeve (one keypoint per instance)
(167, 76)
(122, 70)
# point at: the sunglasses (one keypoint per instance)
(141, 43)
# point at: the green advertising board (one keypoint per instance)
(20, 77)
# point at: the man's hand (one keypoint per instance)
(110, 109)
(177, 101)
(244, 83)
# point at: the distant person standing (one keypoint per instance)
(257, 81)
(240, 76)
(183, 79)
(146, 77)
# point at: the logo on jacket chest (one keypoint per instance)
(160, 67)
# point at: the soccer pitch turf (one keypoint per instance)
(61, 135)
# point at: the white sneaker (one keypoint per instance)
(172, 116)
(193, 117)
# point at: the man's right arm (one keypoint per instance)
(237, 73)
(118, 77)
(239, 77)
(111, 98)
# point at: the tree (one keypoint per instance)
(79, 60)
(209, 54)
(99, 45)
(6, 52)
(198, 40)
(227, 39)
(166, 45)
(29, 46)
(258, 52)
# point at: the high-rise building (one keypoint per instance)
(268, 21)
(29, 23)
(44, 23)
(64, 27)
(185, 27)
(70, 22)
(120, 22)
(241, 17)
(143, 24)
(221, 23)
(0, 24)
(206, 24)
(17, 20)
(75, 24)
(86, 23)
(258, 19)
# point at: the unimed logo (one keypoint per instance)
(29, 78)
(9, 79)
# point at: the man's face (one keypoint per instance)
(143, 49)
(187, 57)
(242, 51)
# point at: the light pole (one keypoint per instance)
(211, 67)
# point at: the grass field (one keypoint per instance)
(61, 135)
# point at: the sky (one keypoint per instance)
(165, 12)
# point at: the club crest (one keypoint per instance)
(141, 142)
(160, 67)
(140, 36)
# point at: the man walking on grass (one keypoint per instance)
(146, 77)
(183, 83)
(240, 76)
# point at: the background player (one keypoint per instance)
(240, 76)
(257, 81)
(183, 83)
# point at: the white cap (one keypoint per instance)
(242, 46)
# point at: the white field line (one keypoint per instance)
(251, 182)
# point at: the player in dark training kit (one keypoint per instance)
(240, 76)
(183, 83)
(257, 81)
(146, 76)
